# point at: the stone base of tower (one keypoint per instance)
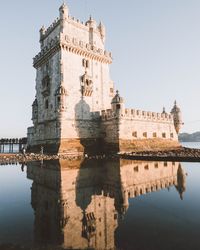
(68, 146)
(140, 145)
(80, 146)
(148, 145)
(93, 146)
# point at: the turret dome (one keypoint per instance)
(91, 23)
(117, 98)
(175, 108)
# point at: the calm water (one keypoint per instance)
(118, 204)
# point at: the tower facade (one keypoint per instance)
(72, 84)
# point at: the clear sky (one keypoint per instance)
(155, 46)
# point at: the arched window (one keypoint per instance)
(46, 104)
(58, 100)
(118, 106)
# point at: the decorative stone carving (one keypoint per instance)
(35, 111)
(86, 85)
(60, 96)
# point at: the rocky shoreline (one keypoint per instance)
(180, 154)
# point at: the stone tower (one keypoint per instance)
(75, 109)
(72, 85)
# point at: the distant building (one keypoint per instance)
(76, 108)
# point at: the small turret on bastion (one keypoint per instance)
(76, 109)
(176, 112)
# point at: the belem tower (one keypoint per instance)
(76, 108)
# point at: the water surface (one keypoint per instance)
(111, 204)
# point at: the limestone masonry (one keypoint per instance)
(76, 108)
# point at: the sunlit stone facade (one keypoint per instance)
(76, 109)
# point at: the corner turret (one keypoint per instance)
(42, 31)
(117, 103)
(163, 112)
(102, 31)
(176, 112)
(91, 23)
(64, 11)
(35, 111)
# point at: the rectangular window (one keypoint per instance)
(118, 106)
(172, 135)
(145, 134)
(163, 135)
(154, 135)
(134, 134)
(146, 167)
(136, 169)
(85, 63)
(156, 165)
(46, 104)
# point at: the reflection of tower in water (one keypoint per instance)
(78, 204)
(181, 181)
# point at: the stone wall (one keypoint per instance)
(136, 130)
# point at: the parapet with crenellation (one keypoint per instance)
(146, 115)
(108, 114)
(135, 114)
(73, 45)
(80, 24)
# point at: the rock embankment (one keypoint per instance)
(180, 154)
(20, 158)
(6, 159)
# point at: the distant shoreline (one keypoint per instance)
(188, 141)
(185, 137)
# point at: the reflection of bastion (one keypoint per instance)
(79, 204)
(76, 109)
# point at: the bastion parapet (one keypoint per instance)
(135, 114)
